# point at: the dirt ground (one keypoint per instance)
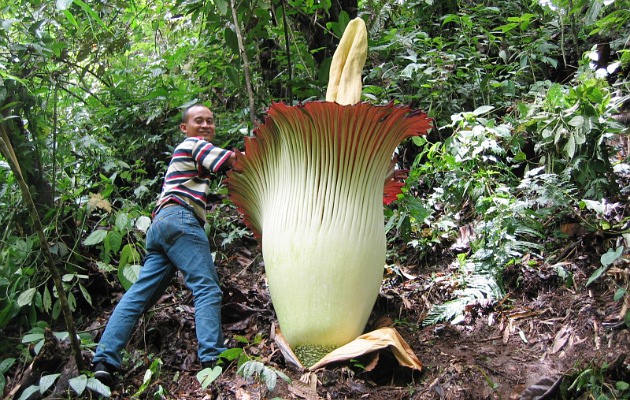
(544, 331)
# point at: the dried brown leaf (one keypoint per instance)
(560, 340)
(543, 389)
(374, 341)
(96, 200)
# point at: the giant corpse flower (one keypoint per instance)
(311, 188)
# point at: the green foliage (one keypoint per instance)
(594, 381)
(17, 277)
(257, 370)
(224, 225)
(571, 126)
(27, 285)
(112, 244)
(479, 55)
(5, 365)
(35, 339)
(470, 179)
(484, 172)
(78, 385)
(606, 259)
(151, 375)
(208, 375)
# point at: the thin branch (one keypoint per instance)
(76, 96)
(78, 69)
(241, 49)
(573, 27)
(54, 149)
(288, 51)
(71, 93)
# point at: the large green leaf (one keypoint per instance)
(123, 223)
(32, 337)
(128, 275)
(78, 384)
(95, 237)
(26, 297)
(611, 255)
(569, 148)
(97, 386)
(71, 18)
(86, 294)
(417, 209)
(482, 110)
(28, 392)
(222, 6)
(6, 364)
(207, 376)
(143, 223)
(128, 255)
(113, 241)
(231, 40)
(46, 381)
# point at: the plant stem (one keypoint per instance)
(573, 26)
(288, 51)
(54, 149)
(7, 151)
(241, 49)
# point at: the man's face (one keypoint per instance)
(199, 122)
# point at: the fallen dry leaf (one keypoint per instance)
(376, 340)
(560, 339)
(543, 389)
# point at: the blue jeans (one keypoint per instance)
(175, 241)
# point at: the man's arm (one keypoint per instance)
(230, 161)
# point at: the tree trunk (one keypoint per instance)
(24, 142)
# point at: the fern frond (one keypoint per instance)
(257, 370)
(480, 289)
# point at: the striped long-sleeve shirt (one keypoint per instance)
(187, 179)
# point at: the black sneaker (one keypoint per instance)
(103, 372)
(213, 363)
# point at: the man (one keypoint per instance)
(176, 241)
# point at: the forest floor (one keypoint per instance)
(544, 331)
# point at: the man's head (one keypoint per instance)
(198, 120)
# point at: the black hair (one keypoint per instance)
(187, 109)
